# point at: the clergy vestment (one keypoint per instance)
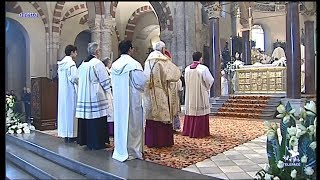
(128, 83)
(198, 81)
(110, 109)
(278, 53)
(67, 98)
(160, 72)
(92, 104)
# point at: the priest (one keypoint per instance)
(128, 82)
(198, 81)
(160, 72)
(67, 95)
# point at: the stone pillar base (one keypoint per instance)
(295, 104)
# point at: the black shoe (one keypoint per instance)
(66, 139)
(73, 139)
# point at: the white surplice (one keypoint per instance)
(128, 83)
(67, 98)
(198, 84)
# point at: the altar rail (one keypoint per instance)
(260, 80)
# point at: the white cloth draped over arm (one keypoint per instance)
(102, 75)
(73, 74)
(138, 79)
(207, 78)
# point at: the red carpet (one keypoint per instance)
(225, 133)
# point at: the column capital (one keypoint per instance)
(213, 9)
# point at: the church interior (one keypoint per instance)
(261, 54)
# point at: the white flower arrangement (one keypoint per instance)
(13, 120)
(291, 148)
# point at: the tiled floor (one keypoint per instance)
(241, 162)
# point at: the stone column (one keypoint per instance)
(107, 24)
(293, 51)
(94, 26)
(167, 36)
(190, 30)
(309, 58)
(54, 45)
(213, 9)
(246, 52)
(215, 56)
(179, 28)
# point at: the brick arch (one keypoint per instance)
(57, 16)
(41, 14)
(72, 11)
(162, 10)
(13, 7)
(134, 19)
(113, 7)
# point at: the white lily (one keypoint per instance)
(311, 129)
(19, 131)
(268, 176)
(286, 119)
(20, 125)
(280, 164)
(293, 141)
(26, 130)
(313, 145)
(270, 134)
(292, 131)
(311, 106)
(276, 178)
(304, 159)
(303, 113)
(281, 109)
(32, 128)
(10, 131)
(309, 171)
(293, 173)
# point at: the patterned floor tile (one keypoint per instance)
(243, 162)
(210, 170)
(237, 157)
(252, 173)
(231, 152)
(206, 163)
(253, 156)
(242, 175)
(219, 157)
(220, 175)
(259, 160)
(248, 168)
(230, 169)
(242, 148)
(225, 163)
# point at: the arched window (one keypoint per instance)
(258, 36)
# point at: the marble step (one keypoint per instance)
(96, 164)
(38, 166)
(242, 105)
(14, 172)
